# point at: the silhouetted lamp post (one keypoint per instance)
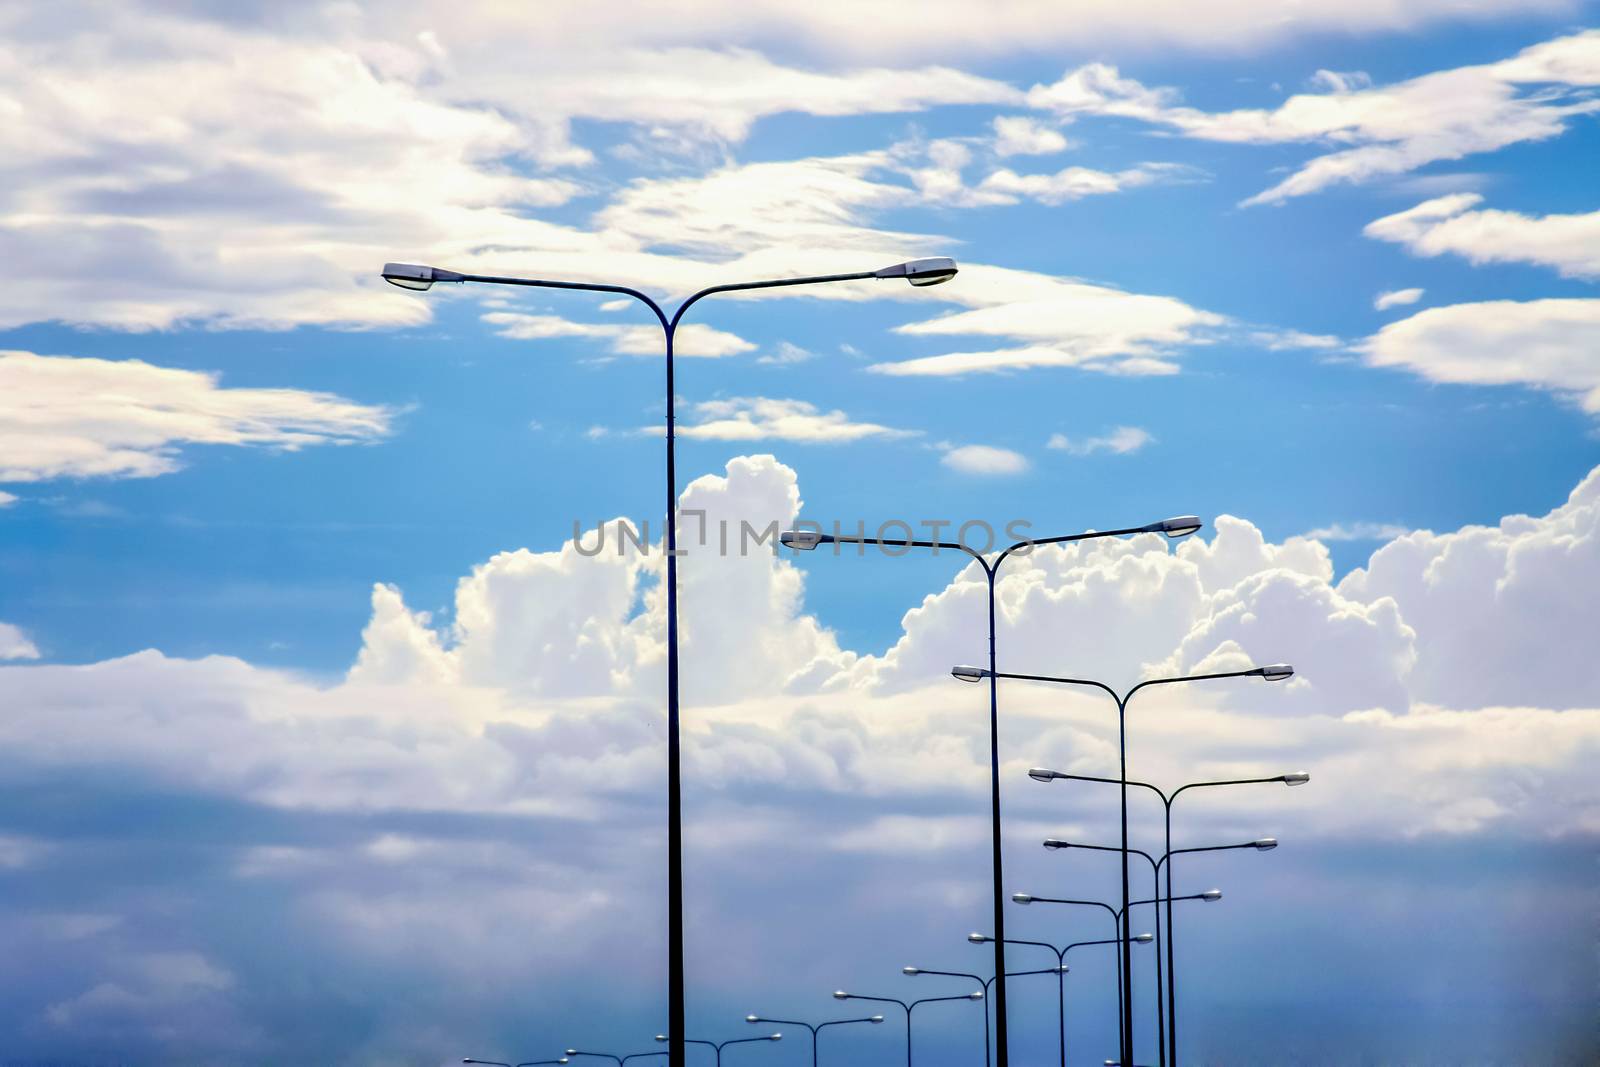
(918, 272)
(1274, 673)
(908, 1007)
(808, 540)
(815, 1030)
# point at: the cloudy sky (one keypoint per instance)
(322, 739)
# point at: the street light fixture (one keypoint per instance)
(1274, 672)
(983, 986)
(420, 277)
(808, 540)
(907, 1007)
(1265, 844)
(816, 1030)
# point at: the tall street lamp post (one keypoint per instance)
(718, 1046)
(918, 272)
(1265, 844)
(524, 1063)
(816, 1030)
(907, 1006)
(1060, 971)
(912, 972)
(1274, 673)
(806, 540)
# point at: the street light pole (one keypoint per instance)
(717, 1047)
(1060, 971)
(840, 994)
(807, 540)
(919, 272)
(1274, 673)
(1264, 844)
(815, 1030)
(912, 972)
(524, 1063)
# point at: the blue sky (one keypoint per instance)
(283, 546)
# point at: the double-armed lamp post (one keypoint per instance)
(815, 1028)
(808, 540)
(919, 272)
(1276, 672)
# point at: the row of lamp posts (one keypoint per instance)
(922, 272)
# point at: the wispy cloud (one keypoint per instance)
(1396, 298)
(984, 459)
(1121, 441)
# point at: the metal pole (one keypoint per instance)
(1125, 951)
(1001, 1056)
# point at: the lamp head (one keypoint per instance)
(875, 1019)
(1276, 672)
(910, 971)
(921, 271)
(1211, 894)
(1043, 774)
(800, 540)
(1297, 778)
(1266, 844)
(661, 1037)
(1021, 898)
(752, 1018)
(1143, 939)
(774, 1037)
(1181, 526)
(979, 939)
(1054, 843)
(839, 994)
(572, 1052)
(969, 674)
(417, 277)
(975, 996)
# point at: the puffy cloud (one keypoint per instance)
(65, 417)
(1120, 441)
(1396, 298)
(495, 767)
(15, 644)
(1454, 224)
(984, 459)
(1022, 135)
(1380, 131)
(759, 418)
(1548, 344)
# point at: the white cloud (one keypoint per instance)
(1358, 531)
(1454, 224)
(984, 459)
(65, 417)
(494, 770)
(692, 339)
(1121, 441)
(1547, 344)
(7, 499)
(1023, 135)
(1377, 132)
(1063, 322)
(14, 644)
(1074, 183)
(787, 354)
(1396, 298)
(757, 418)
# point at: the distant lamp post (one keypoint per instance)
(808, 540)
(907, 1006)
(816, 1030)
(524, 1063)
(718, 1046)
(420, 277)
(1265, 844)
(912, 972)
(1276, 672)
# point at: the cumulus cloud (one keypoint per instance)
(14, 644)
(1547, 344)
(1396, 298)
(1023, 135)
(1456, 225)
(1378, 131)
(984, 459)
(1121, 441)
(67, 417)
(495, 766)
